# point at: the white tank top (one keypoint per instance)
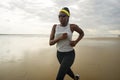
(63, 45)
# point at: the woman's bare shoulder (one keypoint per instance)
(54, 26)
(73, 26)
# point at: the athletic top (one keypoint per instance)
(63, 45)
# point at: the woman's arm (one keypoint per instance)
(52, 35)
(79, 31)
(52, 40)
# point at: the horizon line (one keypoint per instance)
(47, 35)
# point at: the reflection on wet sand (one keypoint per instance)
(31, 58)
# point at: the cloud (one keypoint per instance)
(114, 31)
(108, 11)
(93, 16)
(96, 14)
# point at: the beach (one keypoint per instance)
(31, 58)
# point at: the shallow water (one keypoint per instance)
(31, 58)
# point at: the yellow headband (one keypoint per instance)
(63, 10)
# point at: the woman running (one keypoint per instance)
(62, 35)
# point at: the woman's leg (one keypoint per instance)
(66, 60)
(60, 57)
(70, 73)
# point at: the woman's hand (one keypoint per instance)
(63, 36)
(73, 43)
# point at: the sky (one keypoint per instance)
(95, 17)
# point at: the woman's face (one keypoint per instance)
(63, 18)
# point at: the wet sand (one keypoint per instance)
(31, 58)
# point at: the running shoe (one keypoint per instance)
(77, 77)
